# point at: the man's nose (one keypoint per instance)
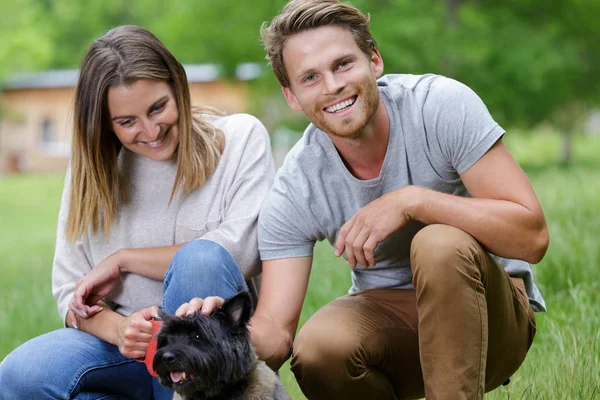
(333, 84)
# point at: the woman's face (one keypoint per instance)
(145, 118)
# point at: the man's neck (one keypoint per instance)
(364, 156)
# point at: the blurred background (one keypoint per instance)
(534, 63)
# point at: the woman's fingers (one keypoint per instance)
(194, 305)
(211, 304)
(206, 306)
(72, 319)
(79, 311)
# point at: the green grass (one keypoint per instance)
(564, 362)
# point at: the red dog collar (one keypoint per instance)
(151, 350)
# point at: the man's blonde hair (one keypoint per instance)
(301, 15)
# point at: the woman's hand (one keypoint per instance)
(94, 286)
(205, 306)
(135, 332)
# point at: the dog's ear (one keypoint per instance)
(238, 309)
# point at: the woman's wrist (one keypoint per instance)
(123, 260)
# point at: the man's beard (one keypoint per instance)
(351, 127)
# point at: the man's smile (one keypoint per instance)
(342, 105)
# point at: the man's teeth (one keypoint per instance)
(340, 106)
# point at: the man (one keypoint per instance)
(408, 178)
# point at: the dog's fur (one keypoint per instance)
(216, 355)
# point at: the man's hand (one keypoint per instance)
(135, 332)
(94, 286)
(373, 223)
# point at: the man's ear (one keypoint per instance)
(291, 99)
(376, 62)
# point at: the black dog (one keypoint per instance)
(210, 357)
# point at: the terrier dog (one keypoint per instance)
(210, 357)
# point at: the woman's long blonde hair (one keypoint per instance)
(122, 56)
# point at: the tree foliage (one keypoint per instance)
(529, 60)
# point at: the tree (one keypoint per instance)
(25, 45)
(531, 63)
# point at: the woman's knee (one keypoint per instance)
(201, 254)
(201, 268)
(199, 259)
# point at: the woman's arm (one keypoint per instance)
(151, 262)
(101, 280)
(131, 334)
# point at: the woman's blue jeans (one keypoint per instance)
(70, 364)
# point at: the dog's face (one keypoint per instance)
(200, 356)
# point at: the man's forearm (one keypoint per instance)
(504, 228)
(272, 343)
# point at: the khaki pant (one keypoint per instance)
(463, 331)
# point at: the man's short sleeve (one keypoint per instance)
(283, 226)
(457, 119)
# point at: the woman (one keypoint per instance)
(159, 206)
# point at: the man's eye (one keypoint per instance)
(310, 78)
(343, 64)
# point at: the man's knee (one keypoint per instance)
(438, 250)
(336, 356)
(321, 341)
(324, 344)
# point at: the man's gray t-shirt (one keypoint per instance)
(439, 128)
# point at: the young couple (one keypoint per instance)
(406, 176)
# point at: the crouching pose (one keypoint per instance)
(408, 177)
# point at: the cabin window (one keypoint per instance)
(47, 134)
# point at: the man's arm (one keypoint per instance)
(504, 214)
(273, 325)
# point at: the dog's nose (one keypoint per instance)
(168, 358)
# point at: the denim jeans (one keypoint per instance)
(70, 364)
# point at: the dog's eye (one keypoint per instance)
(197, 336)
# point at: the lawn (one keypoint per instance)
(564, 362)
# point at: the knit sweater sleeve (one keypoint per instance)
(71, 260)
(254, 174)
